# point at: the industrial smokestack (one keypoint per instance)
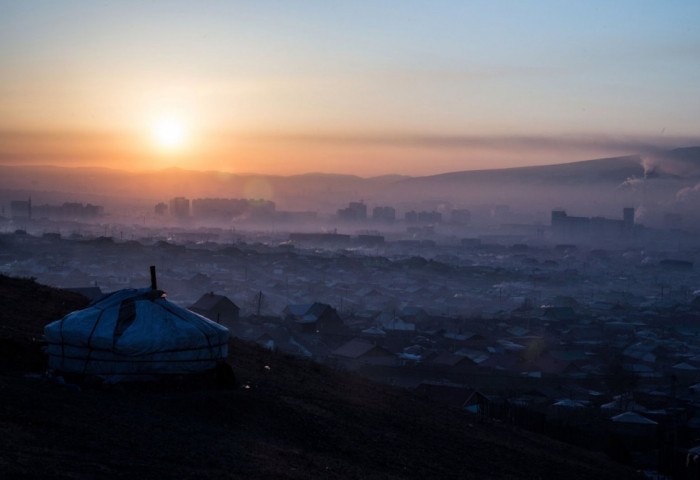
(628, 217)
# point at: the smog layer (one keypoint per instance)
(561, 299)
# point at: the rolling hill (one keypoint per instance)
(288, 418)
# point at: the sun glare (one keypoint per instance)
(170, 133)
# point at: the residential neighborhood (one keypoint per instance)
(350, 240)
(596, 347)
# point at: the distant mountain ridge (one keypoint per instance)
(615, 169)
(606, 181)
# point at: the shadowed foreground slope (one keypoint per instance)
(288, 419)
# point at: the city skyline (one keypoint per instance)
(340, 87)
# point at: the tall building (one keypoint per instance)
(161, 209)
(356, 211)
(180, 207)
(461, 217)
(596, 228)
(423, 217)
(21, 210)
(67, 211)
(384, 214)
(429, 217)
(628, 218)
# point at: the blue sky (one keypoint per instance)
(324, 77)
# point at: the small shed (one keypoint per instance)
(480, 404)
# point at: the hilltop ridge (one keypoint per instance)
(290, 418)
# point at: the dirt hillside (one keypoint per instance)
(287, 419)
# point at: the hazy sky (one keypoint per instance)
(369, 87)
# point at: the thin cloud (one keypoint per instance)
(632, 145)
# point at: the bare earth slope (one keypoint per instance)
(288, 419)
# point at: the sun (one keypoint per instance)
(170, 133)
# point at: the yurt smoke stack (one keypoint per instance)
(154, 283)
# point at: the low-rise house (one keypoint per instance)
(358, 353)
(452, 362)
(480, 404)
(216, 307)
(374, 332)
(648, 352)
(314, 318)
(559, 313)
(548, 364)
(476, 356)
(501, 361)
(518, 331)
(367, 292)
(414, 315)
(621, 404)
(414, 353)
(684, 370)
(570, 412)
(388, 321)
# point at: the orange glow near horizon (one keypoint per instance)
(267, 154)
(348, 88)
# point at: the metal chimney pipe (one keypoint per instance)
(154, 284)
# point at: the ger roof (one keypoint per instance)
(135, 322)
(134, 332)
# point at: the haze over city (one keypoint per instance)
(363, 88)
(410, 240)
